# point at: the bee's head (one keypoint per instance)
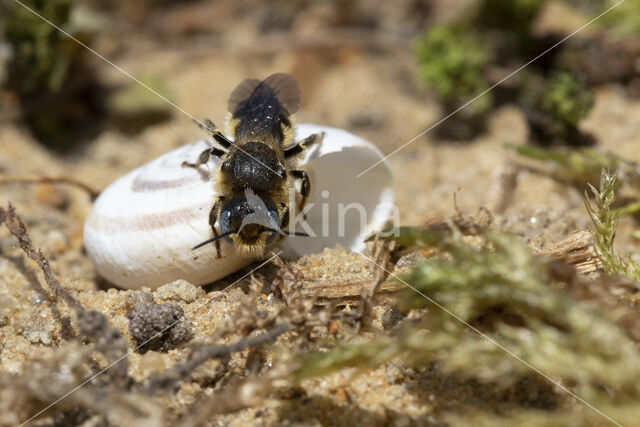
(250, 222)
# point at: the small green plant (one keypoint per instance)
(605, 223)
(452, 61)
(500, 290)
(581, 166)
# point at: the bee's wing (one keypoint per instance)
(241, 93)
(287, 90)
(284, 86)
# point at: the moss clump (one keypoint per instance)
(39, 61)
(452, 61)
(491, 308)
(567, 99)
(554, 107)
(60, 99)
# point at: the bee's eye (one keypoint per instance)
(224, 220)
(274, 224)
(244, 211)
(274, 218)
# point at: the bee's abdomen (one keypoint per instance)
(254, 165)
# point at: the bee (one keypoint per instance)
(259, 168)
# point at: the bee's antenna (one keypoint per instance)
(213, 239)
(288, 233)
(296, 233)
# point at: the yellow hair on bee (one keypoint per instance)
(253, 249)
(288, 132)
(231, 124)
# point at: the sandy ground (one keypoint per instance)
(383, 106)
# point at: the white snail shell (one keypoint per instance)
(142, 227)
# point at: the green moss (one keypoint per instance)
(451, 62)
(554, 107)
(501, 290)
(41, 57)
(60, 98)
(605, 223)
(566, 99)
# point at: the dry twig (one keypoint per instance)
(577, 250)
(19, 231)
(10, 179)
(381, 254)
(210, 352)
(93, 325)
(504, 181)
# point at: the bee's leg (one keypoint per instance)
(284, 216)
(203, 158)
(213, 217)
(305, 188)
(300, 147)
(283, 212)
(215, 133)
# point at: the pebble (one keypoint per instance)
(180, 290)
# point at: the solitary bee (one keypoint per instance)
(259, 167)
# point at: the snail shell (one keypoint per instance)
(142, 227)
